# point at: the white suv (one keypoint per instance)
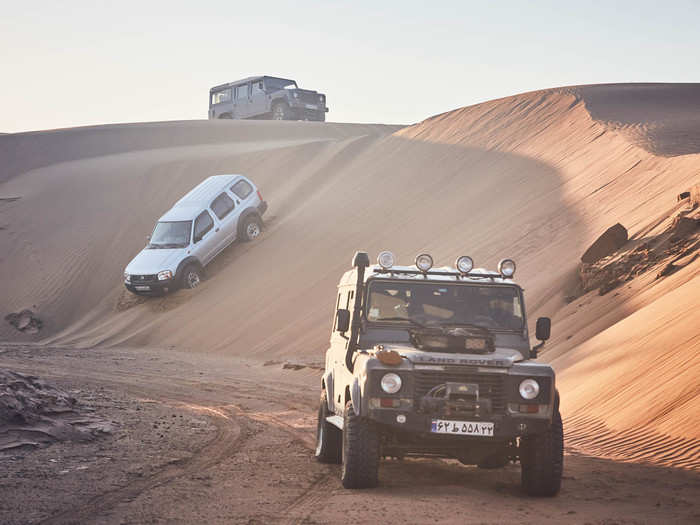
(218, 211)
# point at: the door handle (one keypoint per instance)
(217, 229)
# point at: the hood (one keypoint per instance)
(152, 261)
(500, 358)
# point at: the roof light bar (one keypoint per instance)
(464, 264)
(386, 260)
(506, 267)
(424, 262)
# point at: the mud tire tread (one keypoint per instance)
(360, 451)
(331, 449)
(542, 460)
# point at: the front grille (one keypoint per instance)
(143, 278)
(491, 386)
(309, 98)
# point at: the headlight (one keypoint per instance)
(127, 277)
(464, 264)
(391, 383)
(424, 262)
(165, 274)
(386, 260)
(529, 389)
(506, 267)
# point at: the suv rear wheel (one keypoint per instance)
(280, 111)
(542, 460)
(360, 451)
(329, 439)
(251, 228)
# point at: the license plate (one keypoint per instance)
(463, 428)
(311, 106)
(142, 288)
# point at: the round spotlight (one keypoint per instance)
(424, 262)
(391, 383)
(464, 264)
(386, 260)
(506, 267)
(529, 389)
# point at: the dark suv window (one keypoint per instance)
(219, 97)
(202, 225)
(222, 205)
(242, 189)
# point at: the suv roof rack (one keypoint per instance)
(443, 273)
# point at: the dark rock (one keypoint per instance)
(613, 239)
(684, 226)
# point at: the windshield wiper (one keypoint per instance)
(165, 245)
(412, 321)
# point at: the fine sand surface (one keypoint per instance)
(536, 177)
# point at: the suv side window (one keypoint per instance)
(202, 225)
(242, 92)
(242, 189)
(219, 97)
(257, 88)
(222, 205)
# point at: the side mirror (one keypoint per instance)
(543, 328)
(148, 238)
(197, 238)
(342, 323)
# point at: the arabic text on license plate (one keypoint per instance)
(311, 106)
(143, 288)
(464, 428)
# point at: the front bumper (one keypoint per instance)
(506, 426)
(150, 287)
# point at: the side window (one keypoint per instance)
(242, 189)
(257, 88)
(202, 225)
(242, 92)
(221, 96)
(335, 317)
(222, 205)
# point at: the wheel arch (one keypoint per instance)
(251, 210)
(187, 261)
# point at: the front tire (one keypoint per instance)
(360, 451)
(191, 277)
(542, 460)
(280, 111)
(329, 439)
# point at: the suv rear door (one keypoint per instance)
(224, 208)
(242, 100)
(205, 237)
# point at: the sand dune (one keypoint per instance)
(535, 176)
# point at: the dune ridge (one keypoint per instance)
(536, 177)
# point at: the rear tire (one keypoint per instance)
(542, 460)
(191, 277)
(360, 451)
(329, 438)
(251, 228)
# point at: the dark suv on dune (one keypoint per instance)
(266, 98)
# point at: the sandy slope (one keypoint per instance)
(535, 176)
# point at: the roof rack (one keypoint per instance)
(458, 275)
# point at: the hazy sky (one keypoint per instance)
(91, 62)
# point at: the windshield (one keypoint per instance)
(433, 304)
(275, 84)
(171, 235)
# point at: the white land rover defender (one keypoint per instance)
(437, 362)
